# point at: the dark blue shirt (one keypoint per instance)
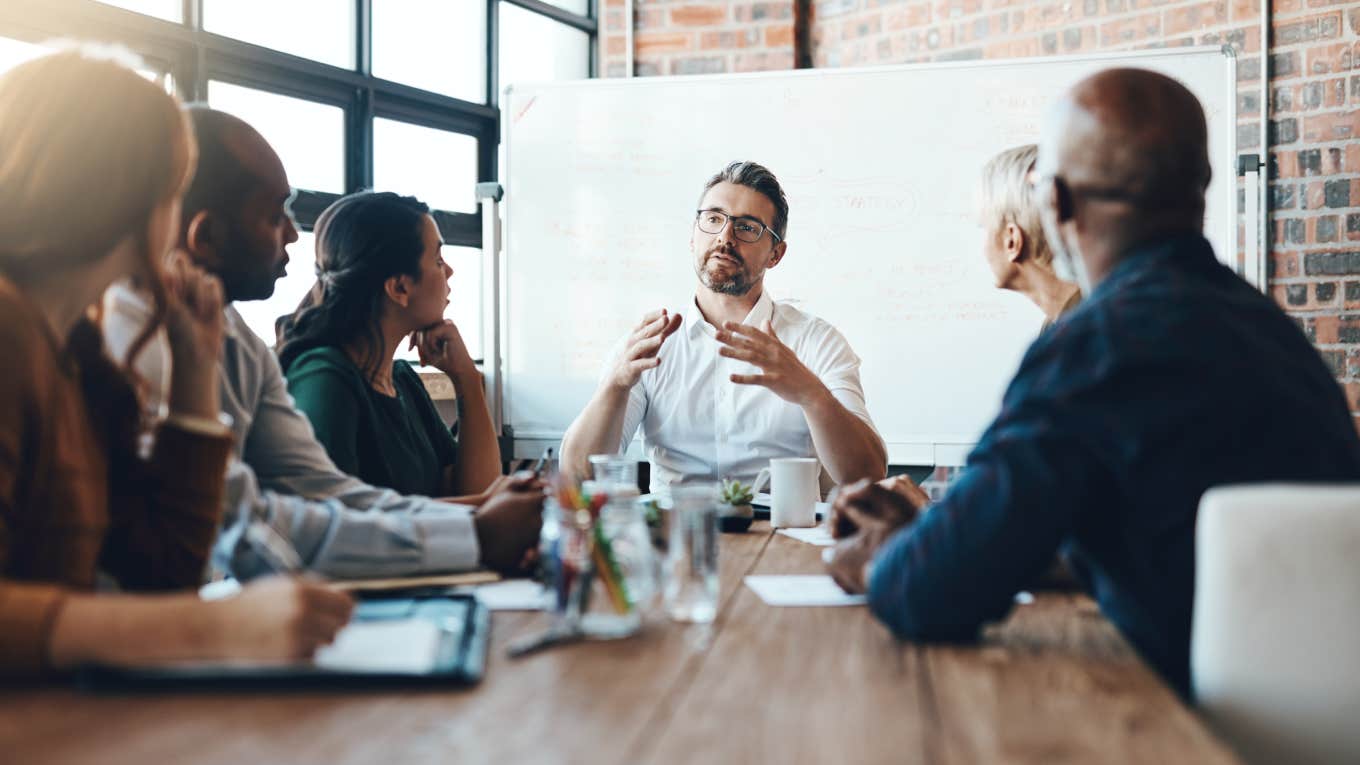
(1174, 376)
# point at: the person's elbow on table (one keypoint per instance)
(895, 600)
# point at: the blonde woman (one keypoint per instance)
(1015, 247)
(93, 163)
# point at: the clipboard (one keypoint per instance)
(425, 640)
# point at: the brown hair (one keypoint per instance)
(88, 149)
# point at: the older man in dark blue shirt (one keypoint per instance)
(1172, 377)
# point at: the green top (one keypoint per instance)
(399, 442)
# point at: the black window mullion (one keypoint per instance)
(586, 24)
(359, 143)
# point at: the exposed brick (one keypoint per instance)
(1313, 196)
(730, 39)
(1283, 65)
(1282, 197)
(699, 15)
(1335, 361)
(911, 16)
(1338, 193)
(1129, 30)
(1347, 329)
(652, 43)
(1284, 131)
(1308, 30)
(1296, 232)
(779, 36)
(1328, 59)
(1245, 10)
(1337, 126)
(1198, 16)
(1326, 229)
(1283, 265)
(1310, 162)
(1322, 330)
(1331, 263)
(699, 65)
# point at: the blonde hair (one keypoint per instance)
(88, 150)
(1006, 196)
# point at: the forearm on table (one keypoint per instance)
(846, 444)
(597, 430)
(479, 453)
(132, 629)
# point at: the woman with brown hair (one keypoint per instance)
(93, 163)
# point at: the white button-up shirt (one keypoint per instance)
(696, 422)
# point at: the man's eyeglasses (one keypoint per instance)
(744, 229)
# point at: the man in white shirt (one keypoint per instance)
(735, 378)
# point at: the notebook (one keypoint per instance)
(437, 639)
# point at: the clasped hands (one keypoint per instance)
(864, 516)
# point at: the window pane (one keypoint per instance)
(16, 52)
(534, 48)
(322, 30)
(170, 10)
(465, 304)
(436, 45)
(309, 137)
(438, 166)
(288, 291)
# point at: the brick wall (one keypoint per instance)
(700, 38)
(1314, 90)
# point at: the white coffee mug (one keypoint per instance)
(794, 490)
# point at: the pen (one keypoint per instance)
(271, 546)
(542, 462)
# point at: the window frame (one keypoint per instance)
(193, 56)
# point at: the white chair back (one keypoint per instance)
(1275, 652)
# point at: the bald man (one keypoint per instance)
(1173, 376)
(236, 224)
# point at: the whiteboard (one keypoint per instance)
(880, 167)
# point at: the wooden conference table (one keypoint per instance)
(1055, 683)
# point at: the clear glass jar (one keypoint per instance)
(600, 570)
(692, 554)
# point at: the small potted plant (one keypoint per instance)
(736, 513)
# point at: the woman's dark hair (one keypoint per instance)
(361, 241)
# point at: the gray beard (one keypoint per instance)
(737, 285)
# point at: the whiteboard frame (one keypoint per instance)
(531, 444)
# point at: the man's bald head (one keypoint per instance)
(233, 161)
(236, 221)
(1134, 136)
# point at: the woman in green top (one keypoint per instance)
(381, 280)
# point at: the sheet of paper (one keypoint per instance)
(405, 646)
(817, 590)
(817, 535)
(511, 595)
(761, 499)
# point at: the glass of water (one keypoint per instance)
(692, 554)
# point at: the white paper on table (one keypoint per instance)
(404, 646)
(816, 590)
(816, 535)
(511, 595)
